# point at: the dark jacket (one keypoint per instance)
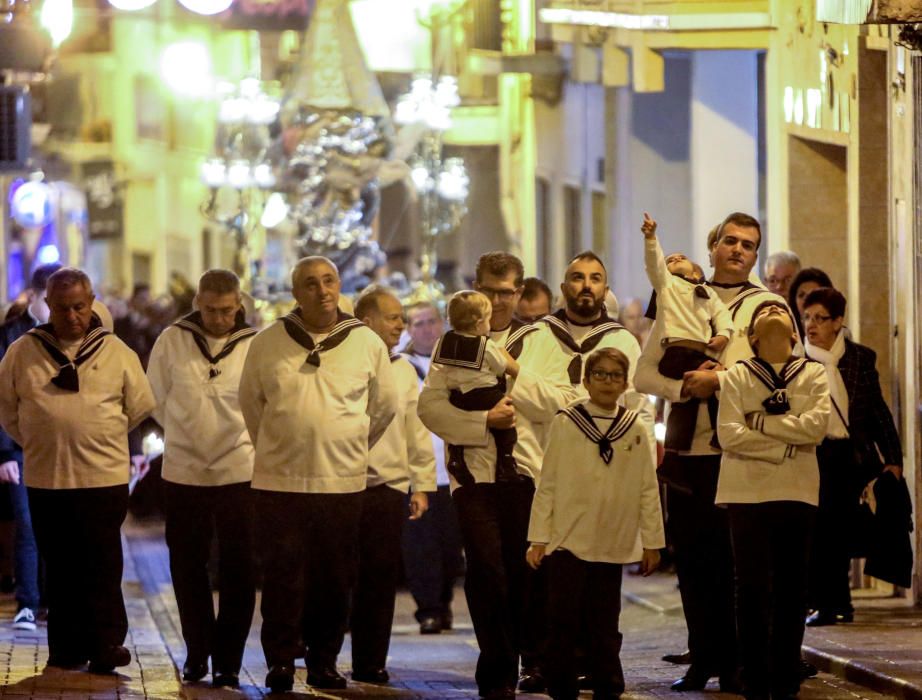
(870, 423)
(889, 556)
(10, 332)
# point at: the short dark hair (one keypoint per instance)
(756, 311)
(68, 277)
(499, 264)
(588, 255)
(742, 220)
(831, 299)
(41, 274)
(367, 303)
(808, 274)
(613, 354)
(533, 286)
(219, 281)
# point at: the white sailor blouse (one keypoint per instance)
(598, 497)
(72, 415)
(206, 442)
(314, 409)
(770, 420)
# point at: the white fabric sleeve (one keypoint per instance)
(733, 433)
(652, 532)
(420, 456)
(720, 315)
(541, 522)
(382, 393)
(655, 264)
(809, 428)
(137, 397)
(494, 360)
(647, 378)
(159, 376)
(251, 396)
(9, 399)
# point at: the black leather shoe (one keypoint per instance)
(807, 670)
(281, 678)
(109, 659)
(821, 618)
(378, 676)
(682, 659)
(691, 681)
(67, 661)
(845, 617)
(532, 681)
(430, 625)
(225, 679)
(194, 669)
(325, 677)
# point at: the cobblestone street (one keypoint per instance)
(439, 666)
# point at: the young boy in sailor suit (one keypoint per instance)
(597, 507)
(473, 368)
(694, 323)
(774, 409)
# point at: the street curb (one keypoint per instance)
(861, 674)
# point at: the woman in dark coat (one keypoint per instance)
(861, 431)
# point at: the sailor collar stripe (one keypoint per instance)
(623, 420)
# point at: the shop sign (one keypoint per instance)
(105, 207)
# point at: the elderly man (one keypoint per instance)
(69, 393)
(432, 556)
(194, 371)
(25, 551)
(401, 460)
(494, 516)
(317, 391)
(698, 529)
(780, 270)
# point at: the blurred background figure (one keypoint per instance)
(780, 270)
(632, 317)
(805, 281)
(535, 301)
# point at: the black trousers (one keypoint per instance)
(78, 532)
(309, 552)
(583, 596)
(680, 424)
(194, 515)
(494, 526)
(704, 563)
(432, 557)
(383, 513)
(771, 545)
(830, 559)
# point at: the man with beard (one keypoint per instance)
(317, 392)
(698, 529)
(494, 516)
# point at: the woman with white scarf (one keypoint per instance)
(861, 441)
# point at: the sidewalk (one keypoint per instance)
(880, 650)
(430, 667)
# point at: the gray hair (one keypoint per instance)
(307, 262)
(219, 281)
(68, 277)
(783, 257)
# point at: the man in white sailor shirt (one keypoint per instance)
(194, 371)
(494, 516)
(402, 460)
(317, 391)
(69, 393)
(697, 528)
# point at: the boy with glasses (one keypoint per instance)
(597, 507)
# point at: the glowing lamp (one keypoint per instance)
(214, 172)
(263, 176)
(453, 180)
(238, 174)
(57, 17)
(206, 7)
(275, 211)
(186, 68)
(48, 254)
(31, 204)
(131, 5)
(421, 179)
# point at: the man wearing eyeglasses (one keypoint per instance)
(494, 516)
(780, 270)
(699, 531)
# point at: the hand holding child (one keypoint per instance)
(535, 554)
(648, 228)
(717, 344)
